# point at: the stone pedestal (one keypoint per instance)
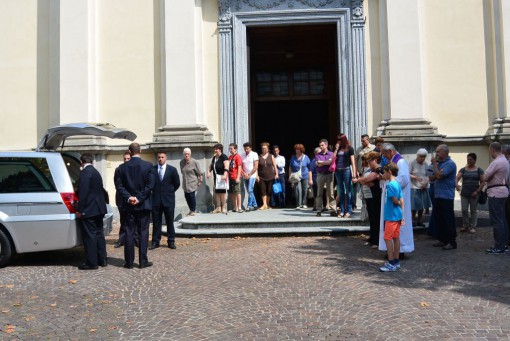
(499, 130)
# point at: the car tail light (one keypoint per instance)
(70, 200)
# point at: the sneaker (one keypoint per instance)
(304, 206)
(494, 251)
(506, 248)
(397, 265)
(387, 267)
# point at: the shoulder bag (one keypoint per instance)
(295, 177)
(220, 183)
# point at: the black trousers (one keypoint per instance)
(137, 222)
(93, 239)
(157, 222)
(122, 230)
(374, 217)
(445, 221)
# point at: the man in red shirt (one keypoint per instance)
(234, 175)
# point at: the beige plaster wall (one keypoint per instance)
(19, 24)
(210, 66)
(454, 60)
(126, 66)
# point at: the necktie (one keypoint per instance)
(160, 173)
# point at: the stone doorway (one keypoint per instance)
(293, 85)
(237, 17)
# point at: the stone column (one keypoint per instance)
(226, 74)
(359, 91)
(402, 73)
(182, 116)
(500, 15)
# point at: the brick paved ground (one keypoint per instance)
(321, 288)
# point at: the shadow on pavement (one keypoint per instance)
(467, 270)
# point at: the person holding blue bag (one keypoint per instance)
(278, 195)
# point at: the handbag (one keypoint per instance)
(295, 177)
(332, 166)
(482, 198)
(220, 183)
(277, 187)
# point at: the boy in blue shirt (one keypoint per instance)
(393, 217)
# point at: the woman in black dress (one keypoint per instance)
(219, 170)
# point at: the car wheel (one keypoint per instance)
(5, 249)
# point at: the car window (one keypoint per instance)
(73, 166)
(24, 175)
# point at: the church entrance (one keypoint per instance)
(293, 72)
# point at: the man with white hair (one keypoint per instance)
(404, 180)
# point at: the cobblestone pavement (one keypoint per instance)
(321, 288)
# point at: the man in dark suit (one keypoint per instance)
(135, 182)
(163, 201)
(90, 213)
(122, 212)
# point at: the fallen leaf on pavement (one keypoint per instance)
(93, 330)
(29, 318)
(33, 297)
(424, 304)
(72, 281)
(53, 305)
(17, 304)
(113, 327)
(5, 311)
(9, 286)
(9, 328)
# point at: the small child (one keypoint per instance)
(393, 217)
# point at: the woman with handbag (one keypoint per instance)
(266, 174)
(343, 174)
(219, 170)
(300, 176)
(370, 180)
(472, 184)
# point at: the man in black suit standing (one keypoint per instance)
(122, 212)
(90, 213)
(163, 201)
(135, 182)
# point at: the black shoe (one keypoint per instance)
(319, 214)
(449, 247)
(153, 246)
(117, 245)
(171, 245)
(128, 266)
(438, 244)
(146, 265)
(103, 262)
(86, 267)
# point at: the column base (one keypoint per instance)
(408, 130)
(183, 136)
(499, 130)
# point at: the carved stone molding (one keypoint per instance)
(408, 130)
(182, 136)
(499, 130)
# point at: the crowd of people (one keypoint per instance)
(393, 193)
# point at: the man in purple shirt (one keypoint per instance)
(497, 193)
(324, 177)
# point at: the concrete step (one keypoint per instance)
(269, 222)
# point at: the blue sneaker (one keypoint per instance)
(387, 267)
(397, 265)
(494, 251)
